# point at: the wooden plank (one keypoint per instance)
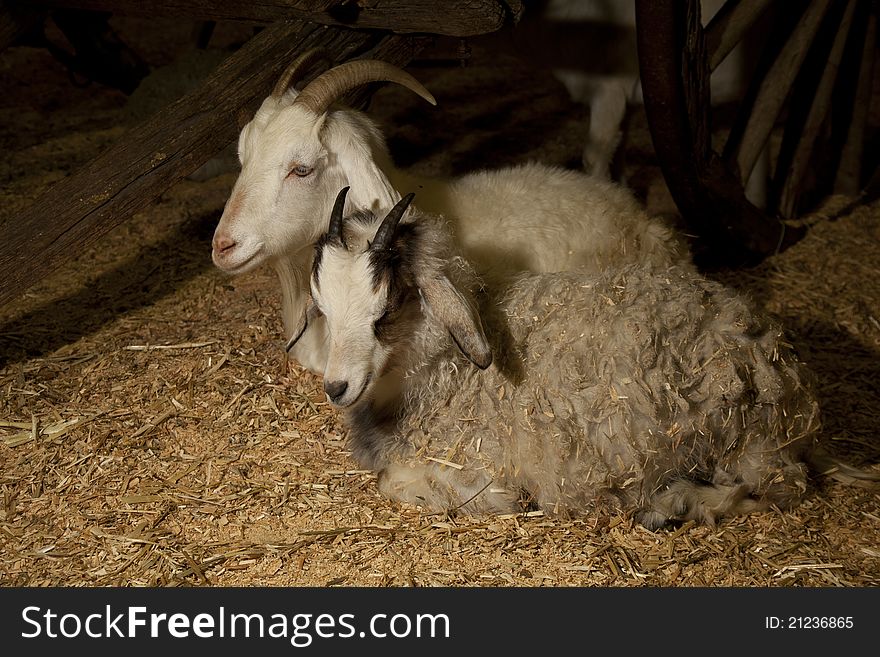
(450, 17)
(154, 155)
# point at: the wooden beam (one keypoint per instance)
(451, 17)
(151, 157)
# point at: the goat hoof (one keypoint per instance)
(652, 520)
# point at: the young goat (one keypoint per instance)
(300, 149)
(659, 392)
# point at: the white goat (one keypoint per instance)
(298, 151)
(655, 391)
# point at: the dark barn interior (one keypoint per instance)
(152, 432)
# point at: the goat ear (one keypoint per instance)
(461, 320)
(310, 314)
(370, 187)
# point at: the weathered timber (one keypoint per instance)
(151, 157)
(450, 17)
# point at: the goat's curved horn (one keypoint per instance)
(299, 66)
(389, 224)
(335, 229)
(324, 90)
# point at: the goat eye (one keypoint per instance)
(300, 170)
(380, 323)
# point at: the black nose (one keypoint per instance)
(335, 389)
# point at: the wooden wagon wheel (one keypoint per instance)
(795, 87)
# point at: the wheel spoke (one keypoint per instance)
(729, 25)
(674, 69)
(773, 91)
(849, 172)
(793, 175)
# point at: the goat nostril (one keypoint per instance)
(335, 389)
(222, 244)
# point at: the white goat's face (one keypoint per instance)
(295, 155)
(356, 307)
(283, 186)
(363, 285)
(374, 293)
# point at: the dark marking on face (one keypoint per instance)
(329, 240)
(324, 241)
(402, 309)
(316, 260)
(396, 262)
(393, 270)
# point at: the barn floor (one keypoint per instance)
(151, 434)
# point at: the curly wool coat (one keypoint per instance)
(654, 389)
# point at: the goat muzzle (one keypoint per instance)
(335, 389)
(223, 243)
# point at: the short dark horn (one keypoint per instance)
(389, 224)
(335, 229)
